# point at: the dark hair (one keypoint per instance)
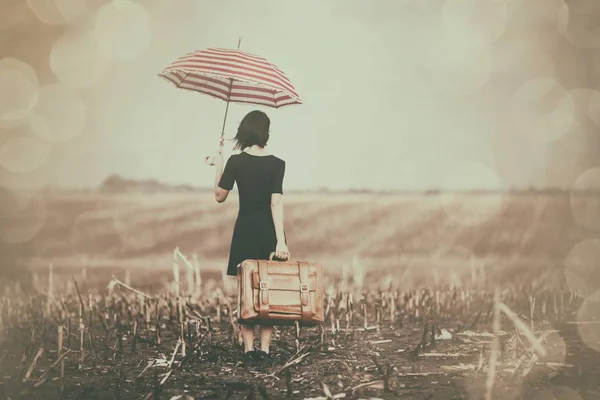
(253, 130)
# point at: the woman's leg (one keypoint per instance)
(265, 337)
(247, 337)
(247, 331)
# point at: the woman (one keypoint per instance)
(258, 229)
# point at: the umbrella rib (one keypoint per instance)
(192, 72)
(226, 108)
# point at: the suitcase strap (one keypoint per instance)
(307, 312)
(263, 294)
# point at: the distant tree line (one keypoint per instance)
(117, 184)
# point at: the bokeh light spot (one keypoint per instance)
(19, 221)
(23, 154)
(122, 29)
(93, 228)
(556, 346)
(58, 12)
(457, 65)
(593, 106)
(581, 269)
(47, 11)
(75, 60)
(587, 104)
(595, 66)
(484, 20)
(581, 29)
(543, 109)
(526, 57)
(586, 206)
(128, 223)
(71, 10)
(588, 318)
(466, 208)
(9, 203)
(18, 93)
(9, 63)
(59, 115)
(538, 20)
(518, 159)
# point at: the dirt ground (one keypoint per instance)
(383, 360)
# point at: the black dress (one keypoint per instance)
(257, 177)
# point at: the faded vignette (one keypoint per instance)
(444, 168)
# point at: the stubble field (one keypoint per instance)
(410, 262)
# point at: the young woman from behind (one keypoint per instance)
(259, 228)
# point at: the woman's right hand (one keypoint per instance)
(282, 252)
(217, 160)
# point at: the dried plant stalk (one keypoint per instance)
(146, 312)
(392, 309)
(157, 312)
(45, 374)
(365, 317)
(209, 328)
(48, 309)
(81, 335)
(495, 348)
(532, 311)
(333, 322)
(297, 335)
(62, 362)
(176, 277)
(182, 337)
(33, 364)
(190, 270)
(537, 346)
(134, 336)
(535, 357)
(114, 282)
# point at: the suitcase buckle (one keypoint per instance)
(263, 285)
(304, 288)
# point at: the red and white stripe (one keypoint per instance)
(232, 75)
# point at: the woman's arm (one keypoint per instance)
(220, 193)
(281, 250)
(224, 179)
(277, 211)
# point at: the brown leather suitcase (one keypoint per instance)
(280, 292)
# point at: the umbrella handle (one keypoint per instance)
(208, 160)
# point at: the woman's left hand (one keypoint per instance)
(282, 252)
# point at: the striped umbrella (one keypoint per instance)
(233, 76)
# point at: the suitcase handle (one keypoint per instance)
(272, 256)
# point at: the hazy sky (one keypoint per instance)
(397, 93)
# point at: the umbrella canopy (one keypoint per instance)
(232, 76)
